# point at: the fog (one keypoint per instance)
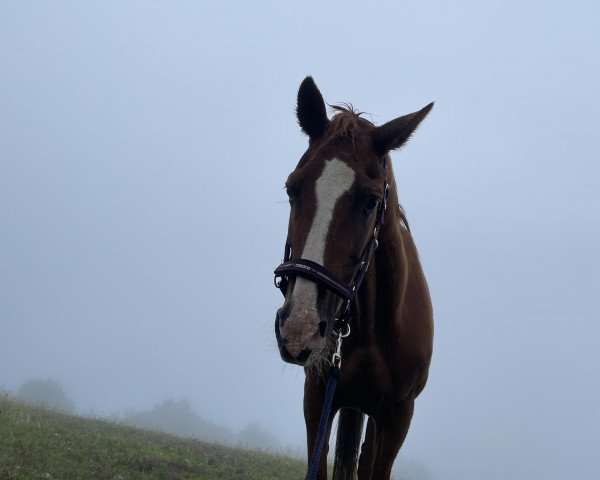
(143, 151)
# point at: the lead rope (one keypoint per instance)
(334, 376)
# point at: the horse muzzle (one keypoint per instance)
(300, 338)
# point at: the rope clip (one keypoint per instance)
(336, 358)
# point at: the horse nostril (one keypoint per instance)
(322, 328)
(277, 332)
(283, 313)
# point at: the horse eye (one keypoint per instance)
(290, 194)
(371, 202)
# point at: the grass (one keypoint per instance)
(36, 443)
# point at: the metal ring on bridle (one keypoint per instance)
(340, 332)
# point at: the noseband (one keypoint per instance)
(321, 276)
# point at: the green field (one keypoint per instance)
(36, 443)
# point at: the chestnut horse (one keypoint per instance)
(337, 194)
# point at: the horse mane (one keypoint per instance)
(403, 219)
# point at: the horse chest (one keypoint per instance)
(368, 381)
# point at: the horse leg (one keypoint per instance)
(365, 462)
(391, 429)
(314, 396)
(347, 444)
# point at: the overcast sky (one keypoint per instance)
(143, 151)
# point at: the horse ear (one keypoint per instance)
(394, 134)
(311, 112)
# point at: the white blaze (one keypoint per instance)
(335, 180)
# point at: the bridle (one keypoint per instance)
(321, 276)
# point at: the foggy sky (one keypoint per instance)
(143, 151)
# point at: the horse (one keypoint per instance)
(349, 257)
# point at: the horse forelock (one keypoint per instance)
(347, 124)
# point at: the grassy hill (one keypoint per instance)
(36, 443)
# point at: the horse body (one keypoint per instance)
(386, 358)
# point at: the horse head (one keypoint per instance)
(336, 194)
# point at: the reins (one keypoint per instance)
(341, 326)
